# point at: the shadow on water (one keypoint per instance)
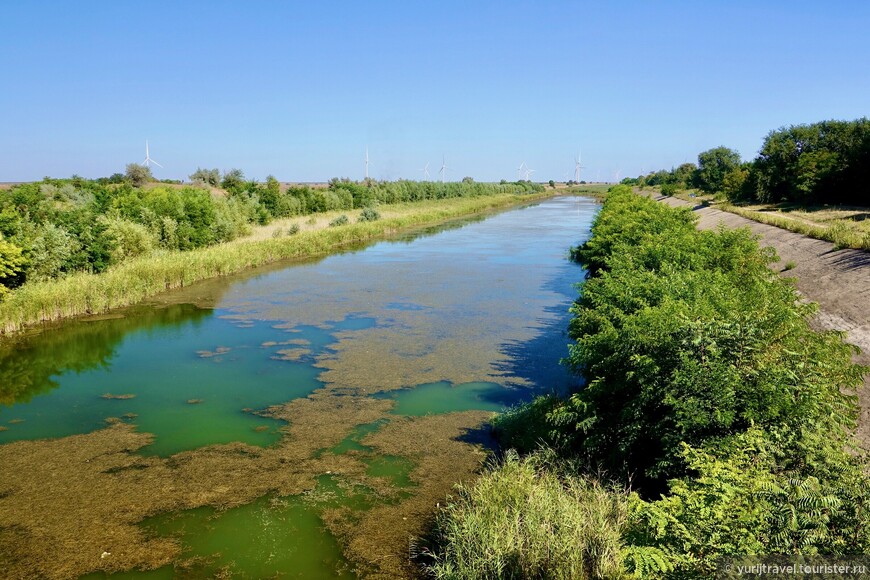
(538, 360)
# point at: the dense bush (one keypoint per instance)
(339, 221)
(826, 162)
(708, 393)
(12, 263)
(369, 214)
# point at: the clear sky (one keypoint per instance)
(300, 89)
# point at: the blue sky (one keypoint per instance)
(299, 90)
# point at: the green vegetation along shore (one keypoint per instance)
(138, 277)
(713, 422)
(810, 179)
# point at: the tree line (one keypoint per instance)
(55, 227)
(713, 421)
(820, 163)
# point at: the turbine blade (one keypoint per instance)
(155, 163)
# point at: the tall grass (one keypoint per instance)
(526, 518)
(139, 278)
(842, 233)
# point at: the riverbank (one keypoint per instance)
(837, 279)
(706, 385)
(844, 226)
(376, 370)
(135, 280)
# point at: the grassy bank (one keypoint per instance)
(843, 226)
(134, 280)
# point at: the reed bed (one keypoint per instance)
(137, 279)
(528, 518)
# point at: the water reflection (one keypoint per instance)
(30, 364)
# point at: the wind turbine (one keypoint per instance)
(425, 171)
(148, 157)
(529, 172)
(520, 170)
(443, 169)
(577, 167)
(617, 173)
(367, 162)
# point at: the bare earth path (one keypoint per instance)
(838, 280)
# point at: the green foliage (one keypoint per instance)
(763, 493)
(669, 189)
(179, 218)
(79, 225)
(339, 221)
(526, 519)
(129, 239)
(233, 181)
(369, 214)
(713, 166)
(363, 195)
(735, 183)
(12, 263)
(707, 391)
(138, 174)
(686, 337)
(826, 162)
(820, 163)
(526, 427)
(209, 177)
(138, 278)
(50, 252)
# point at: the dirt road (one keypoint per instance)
(838, 280)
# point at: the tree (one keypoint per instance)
(713, 166)
(734, 184)
(12, 263)
(138, 174)
(683, 173)
(211, 177)
(826, 162)
(233, 181)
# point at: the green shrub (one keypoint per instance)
(293, 229)
(369, 214)
(12, 263)
(525, 427)
(685, 337)
(339, 221)
(129, 239)
(50, 252)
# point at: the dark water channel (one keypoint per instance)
(466, 317)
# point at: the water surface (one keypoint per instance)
(467, 317)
